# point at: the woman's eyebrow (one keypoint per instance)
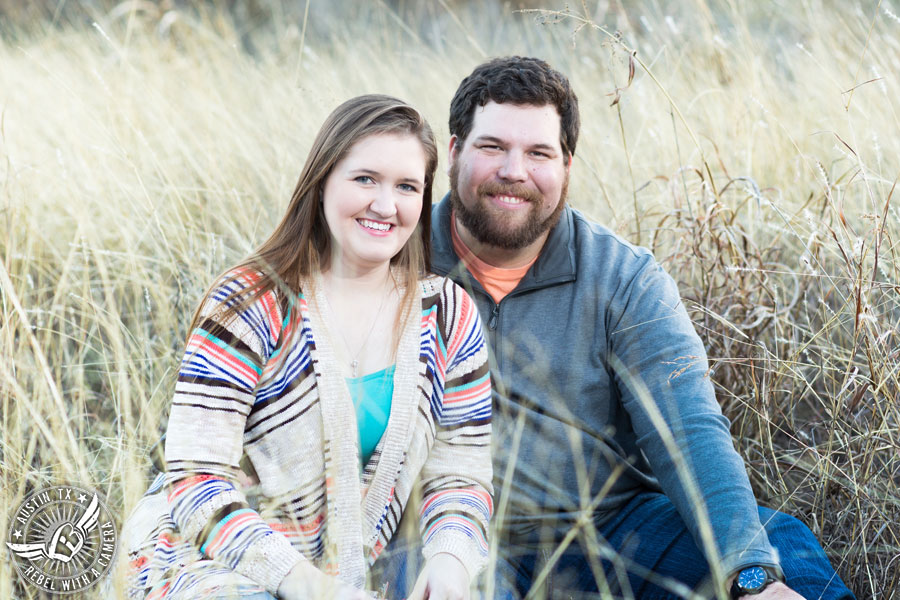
(366, 171)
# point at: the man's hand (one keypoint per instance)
(305, 581)
(443, 578)
(775, 591)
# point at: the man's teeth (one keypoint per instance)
(375, 225)
(510, 199)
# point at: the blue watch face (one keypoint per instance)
(751, 579)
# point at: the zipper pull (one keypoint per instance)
(492, 324)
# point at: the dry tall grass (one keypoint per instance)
(755, 150)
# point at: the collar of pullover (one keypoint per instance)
(555, 264)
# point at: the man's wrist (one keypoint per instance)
(753, 580)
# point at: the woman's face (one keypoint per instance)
(373, 199)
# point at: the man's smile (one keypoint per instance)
(510, 200)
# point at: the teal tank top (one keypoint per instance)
(372, 396)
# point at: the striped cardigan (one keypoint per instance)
(267, 386)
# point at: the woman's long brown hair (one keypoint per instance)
(300, 246)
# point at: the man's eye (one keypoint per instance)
(490, 147)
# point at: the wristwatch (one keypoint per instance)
(753, 580)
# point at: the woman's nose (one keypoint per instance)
(384, 204)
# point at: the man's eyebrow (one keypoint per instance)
(489, 138)
(500, 142)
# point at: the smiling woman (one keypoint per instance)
(334, 320)
(372, 203)
(373, 199)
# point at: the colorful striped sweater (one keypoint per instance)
(267, 386)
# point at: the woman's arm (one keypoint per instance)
(214, 394)
(457, 475)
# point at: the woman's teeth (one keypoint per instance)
(374, 225)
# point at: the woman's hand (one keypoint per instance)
(306, 582)
(443, 578)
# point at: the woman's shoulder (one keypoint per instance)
(437, 289)
(235, 287)
(455, 309)
(238, 293)
(432, 285)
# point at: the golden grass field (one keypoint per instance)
(756, 149)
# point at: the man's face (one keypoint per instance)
(508, 178)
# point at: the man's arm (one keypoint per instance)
(660, 368)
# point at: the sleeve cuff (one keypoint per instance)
(470, 553)
(269, 561)
(732, 563)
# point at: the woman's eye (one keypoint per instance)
(408, 188)
(364, 179)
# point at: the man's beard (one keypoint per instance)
(483, 222)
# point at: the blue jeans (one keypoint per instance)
(653, 557)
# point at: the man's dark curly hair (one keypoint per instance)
(516, 80)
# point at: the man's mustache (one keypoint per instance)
(497, 188)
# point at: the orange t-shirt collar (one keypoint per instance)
(497, 281)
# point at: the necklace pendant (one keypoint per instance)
(353, 365)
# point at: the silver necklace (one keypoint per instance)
(354, 361)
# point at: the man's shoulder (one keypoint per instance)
(596, 245)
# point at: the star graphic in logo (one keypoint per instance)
(82, 498)
(17, 534)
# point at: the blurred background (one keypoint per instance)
(147, 145)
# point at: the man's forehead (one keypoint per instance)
(538, 122)
(492, 107)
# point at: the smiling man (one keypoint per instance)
(605, 423)
(506, 193)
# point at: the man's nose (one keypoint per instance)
(513, 167)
